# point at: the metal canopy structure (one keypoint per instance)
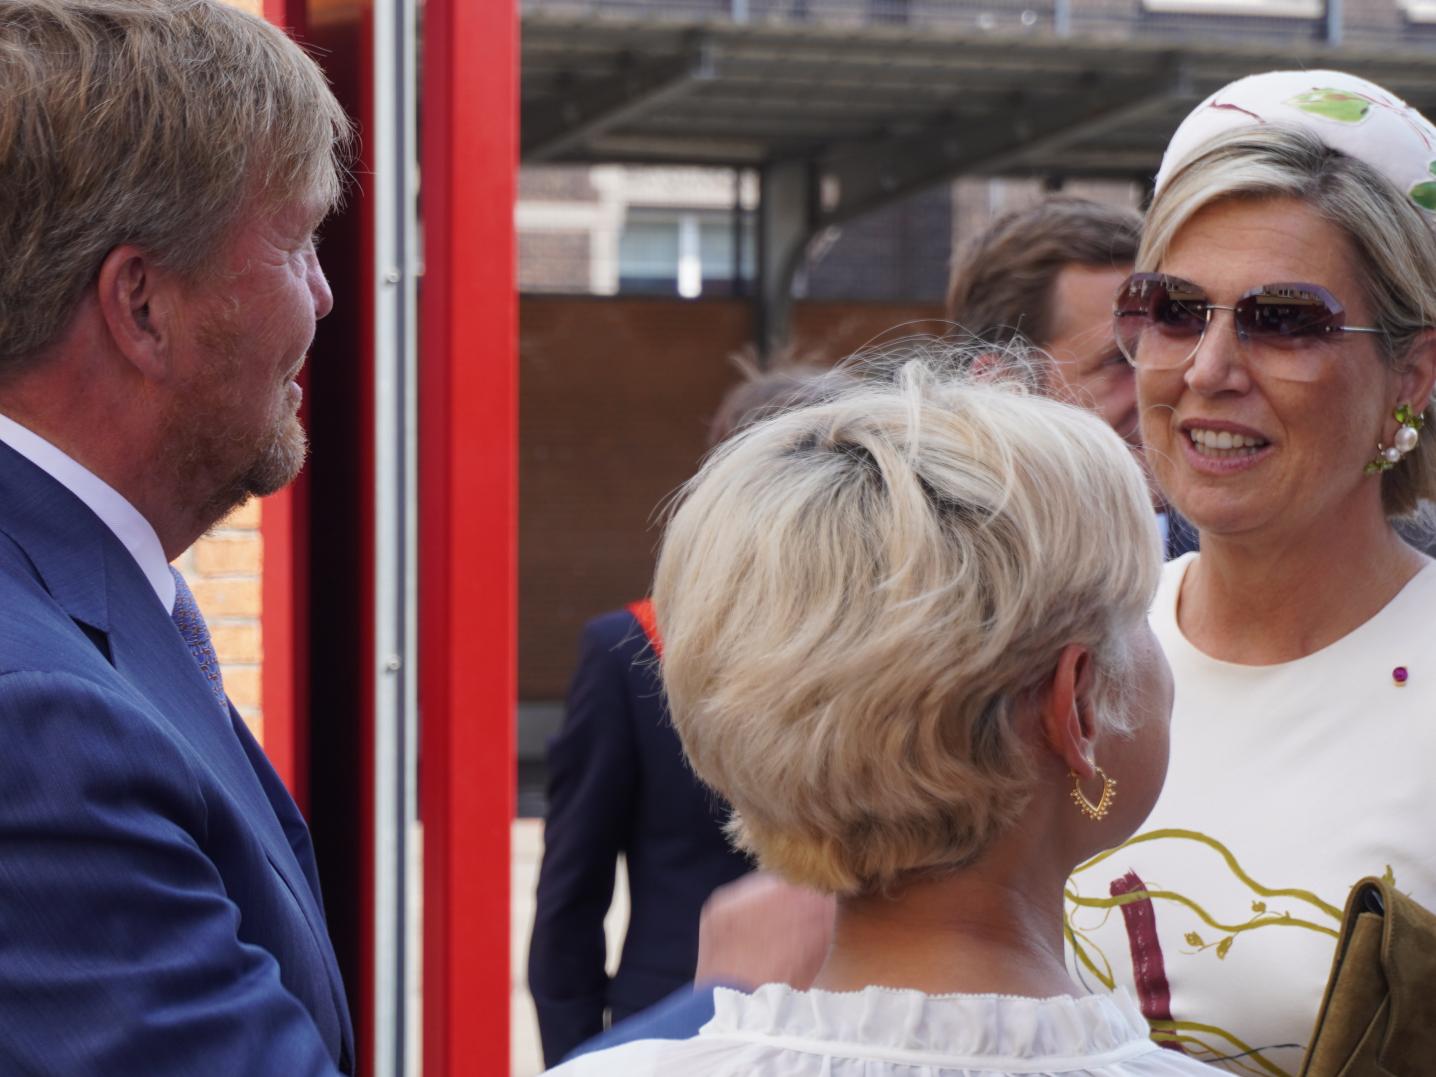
(839, 120)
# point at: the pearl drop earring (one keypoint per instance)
(1407, 436)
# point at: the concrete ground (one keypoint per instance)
(526, 1060)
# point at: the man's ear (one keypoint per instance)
(133, 312)
(1066, 710)
(989, 364)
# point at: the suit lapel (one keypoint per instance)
(297, 844)
(149, 653)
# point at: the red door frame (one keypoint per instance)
(467, 527)
(322, 744)
(283, 624)
(284, 609)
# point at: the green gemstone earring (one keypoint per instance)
(1407, 435)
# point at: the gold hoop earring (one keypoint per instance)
(1104, 803)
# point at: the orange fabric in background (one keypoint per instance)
(642, 611)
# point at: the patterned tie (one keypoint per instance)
(195, 634)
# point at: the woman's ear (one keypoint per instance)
(1066, 710)
(1418, 379)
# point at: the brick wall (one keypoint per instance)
(615, 400)
(554, 262)
(223, 569)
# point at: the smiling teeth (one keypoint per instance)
(1223, 441)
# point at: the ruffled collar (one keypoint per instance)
(991, 1031)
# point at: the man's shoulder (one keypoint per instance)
(614, 627)
(617, 634)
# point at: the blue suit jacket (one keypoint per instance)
(618, 783)
(159, 904)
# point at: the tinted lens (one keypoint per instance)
(1159, 319)
(1277, 313)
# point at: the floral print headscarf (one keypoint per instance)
(1347, 113)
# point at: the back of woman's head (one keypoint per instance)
(855, 596)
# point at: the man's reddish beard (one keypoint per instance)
(218, 463)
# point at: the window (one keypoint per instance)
(1292, 9)
(1418, 10)
(689, 253)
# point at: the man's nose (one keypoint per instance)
(319, 289)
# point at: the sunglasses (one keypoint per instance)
(1160, 322)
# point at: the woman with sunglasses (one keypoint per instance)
(1280, 325)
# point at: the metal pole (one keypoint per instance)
(738, 286)
(396, 721)
(786, 213)
(1333, 22)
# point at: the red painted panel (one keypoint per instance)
(283, 620)
(468, 512)
(319, 541)
(284, 609)
(338, 527)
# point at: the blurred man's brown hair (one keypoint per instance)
(1002, 278)
(765, 393)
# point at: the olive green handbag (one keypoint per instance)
(1378, 1018)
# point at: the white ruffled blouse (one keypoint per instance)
(881, 1032)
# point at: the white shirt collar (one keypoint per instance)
(132, 529)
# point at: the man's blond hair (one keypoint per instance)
(159, 123)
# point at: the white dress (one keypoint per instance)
(1287, 784)
(881, 1032)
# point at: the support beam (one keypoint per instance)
(872, 174)
(1105, 116)
(590, 110)
(787, 212)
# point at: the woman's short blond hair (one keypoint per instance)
(854, 595)
(1392, 240)
(160, 123)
